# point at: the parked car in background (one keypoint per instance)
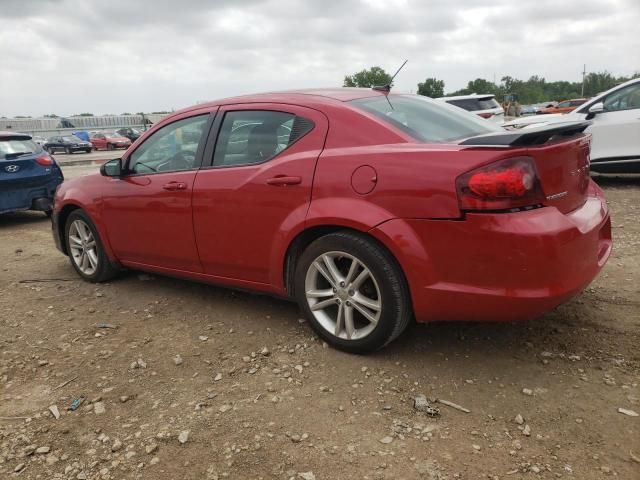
(39, 140)
(419, 210)
(130, 133)
(68, 144)
(562, 107)
(29, 176)
(109, 141)
(485, 106)
(615, 127)
(528, 110)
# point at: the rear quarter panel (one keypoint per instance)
(410, 181)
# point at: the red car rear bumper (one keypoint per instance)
(500, 267)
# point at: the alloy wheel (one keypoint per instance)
(84, 249)
(343, 295)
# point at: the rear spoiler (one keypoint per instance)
(527, 137)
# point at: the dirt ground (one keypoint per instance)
(200, 382)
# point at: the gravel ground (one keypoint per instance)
(183, 380)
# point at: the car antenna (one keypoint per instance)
(387, 87)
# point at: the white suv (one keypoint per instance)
(485, 106)
(615, 144)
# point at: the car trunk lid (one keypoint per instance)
(23, 172)
(561, 156)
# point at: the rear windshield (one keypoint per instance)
(425, 120)
(473, 104)
(12, 148)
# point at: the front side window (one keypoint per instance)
(171, 148)
(248, 137)
(425, 120)
(624, 99)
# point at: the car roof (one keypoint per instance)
(465, 97)
(14, 134)
(315, 96)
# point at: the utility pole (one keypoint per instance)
(584, 73)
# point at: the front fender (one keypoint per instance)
(88, 197)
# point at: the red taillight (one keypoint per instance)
(44, 160)
(503, 185)
(485, 115)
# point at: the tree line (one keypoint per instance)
(534, 90)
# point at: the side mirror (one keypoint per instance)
(112, 168)
(595, 109)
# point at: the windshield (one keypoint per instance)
(12, 147)
(424, 119)
(72, 139)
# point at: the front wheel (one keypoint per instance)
(68, 150)
(110, 146)
(85, 249)
(353, 292)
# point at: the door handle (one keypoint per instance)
(282, 180)
(172, 186)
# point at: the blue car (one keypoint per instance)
(29, 176)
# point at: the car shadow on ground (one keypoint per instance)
(502, 341)
(21, 218)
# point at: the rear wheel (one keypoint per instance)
(353, 292)
(85, 249)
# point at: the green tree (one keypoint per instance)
(51, 115)
(431, 87)
(375, 76)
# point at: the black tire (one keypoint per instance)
(68, 150)
(396, 310)
(88, 150)
(110, 146)
(105, 269)
(50, 150)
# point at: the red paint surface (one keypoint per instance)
(234, 225)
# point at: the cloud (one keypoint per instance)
(71, 56)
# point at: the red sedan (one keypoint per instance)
(108, 141)
(368, 208)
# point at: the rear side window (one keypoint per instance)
(249, 137)
(425, 120)
(15, 147)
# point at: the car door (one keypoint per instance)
(54, 144)
(99, 141)
(147, 211)
(258, 183)
(616, 129)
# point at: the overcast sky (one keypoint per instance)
(112, 56)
